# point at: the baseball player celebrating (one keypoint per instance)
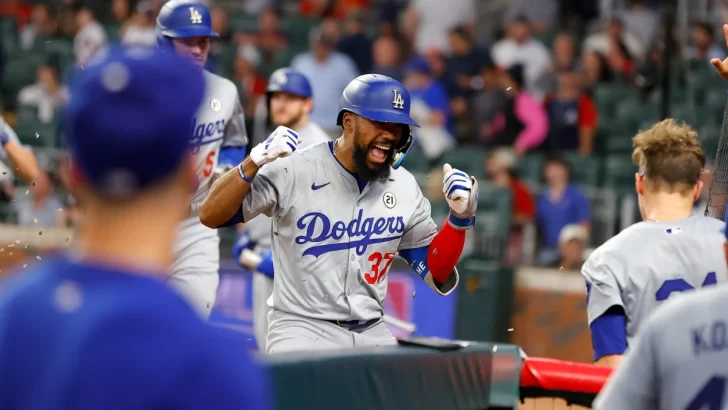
(106, 331)
(22, 160)
(217, 133)
(341, 211)
(289, 101)
(669, 252)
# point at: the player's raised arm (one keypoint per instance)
(223, 205)
(433, 254)
(21, 159)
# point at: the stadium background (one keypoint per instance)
(593, 68)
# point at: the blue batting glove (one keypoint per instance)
(266, 265)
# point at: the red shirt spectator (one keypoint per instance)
(572, 117)
(15, 8)
(321, 8)
(524, 207)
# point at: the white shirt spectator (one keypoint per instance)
(140, 36)
(88, 41)
(436, 18)
(532, 54)
(37, 95)
(328, 80)
(642, 22)
(600, 43)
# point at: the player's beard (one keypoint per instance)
(294, 121)
(381, 173)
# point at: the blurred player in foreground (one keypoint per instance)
(341, 211)
(680, 357)
(670, 251)
(290, 100)
(98, 328)
(217, 133)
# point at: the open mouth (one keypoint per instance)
(378, 153)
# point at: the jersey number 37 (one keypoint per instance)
(680, 285)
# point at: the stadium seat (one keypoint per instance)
(8, 35)
(416, 162)
(20, 72)
(618, 144)
(469, 159)
(496, 201)
(31, 131)
(298, 28)
(609, 96)
(530, 166)
(584, 170)
(226, 58)
(112, 31)
(245, 23)
(619, 173)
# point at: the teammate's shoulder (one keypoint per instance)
(690, 307)
(710, 223)
(219, 81)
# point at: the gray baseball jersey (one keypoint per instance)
(259, 230)
(5, 165)
(679, 360)
(648, 262)
(332, 243)
(219, 122)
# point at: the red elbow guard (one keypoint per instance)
(444, 252)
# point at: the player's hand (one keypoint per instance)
(281, 143)
(266, 264)
(461, 193)
(722, 66)
(243, 242)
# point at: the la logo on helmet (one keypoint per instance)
(398, 101)
(195, 16)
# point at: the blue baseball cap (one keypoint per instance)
(129, 117)
(418, 64)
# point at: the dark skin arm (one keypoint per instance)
(226, 195)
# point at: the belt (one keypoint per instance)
(350, 324)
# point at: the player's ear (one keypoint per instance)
(639, 183)
(348, 121)
(697, 189)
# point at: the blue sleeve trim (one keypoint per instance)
(609, 333)
(417, 259)
(460, 222)
(236, 219)
(231, 155)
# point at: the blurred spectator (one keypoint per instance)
(620, 62)
(595, 70)
(430, 109)
(543, 14)
(330, 8)
(565, 56)
(120, 10)
(221, 24)
(614, 31)
(640, 20)
(16, 9)
(520, 48)
(40, 209)
(522, 123)
(500, 172)
(489, 100)
(252, 85)
(559, 205)
(46, 95)
(90, 38)
(388, 12)
(254, 7)
(572, 116)
(329, 72)
(386, 58)
(269, 37)
(427, 22)
(704, 47)
(573, 241)
(464, 63)
(43, 24)
(355, 43)
(139, 29)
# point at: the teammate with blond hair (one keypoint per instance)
(670, 251)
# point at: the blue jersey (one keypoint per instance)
(76, 336)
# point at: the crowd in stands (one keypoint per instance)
(540, 98)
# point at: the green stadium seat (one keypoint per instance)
(529, 167)
(498, 203)
(245, 23)
(468, 159)
(609, 96)
(282, 58)
(584, 170)
(112, 31)
(619, 173)
(416, 162)
(8, 35)
(226, 58)
(298, 28)
(20, 72)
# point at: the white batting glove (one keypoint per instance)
(461, 193)
(280, 143)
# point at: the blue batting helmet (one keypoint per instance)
(290, 81)
(382, 99)
(183, 19)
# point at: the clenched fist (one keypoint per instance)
(280, 143)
